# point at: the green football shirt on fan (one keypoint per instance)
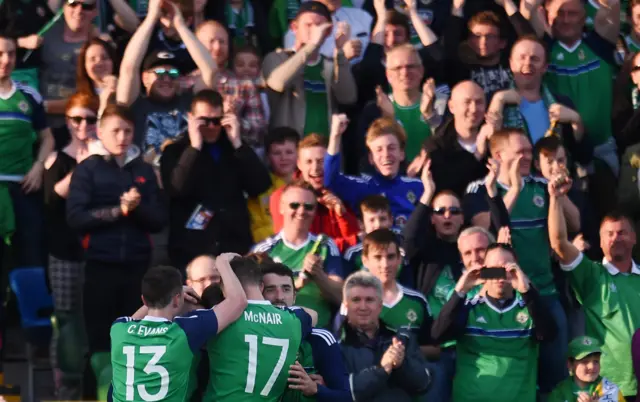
(316, 118)
(409, 310)
(293, 257)
(610, 300)
(584, 73)
(250, 360)
(152, 357)
(440, 294)
(416, 128)
(497, 356)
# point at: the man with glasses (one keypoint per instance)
(60, 48)
(202, 273)
(497, 330)
(161, 111)
(206, 175)
(315, 259)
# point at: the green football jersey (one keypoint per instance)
(305, 358)
(417, 129)
(152, 358)
(316, 118)
(250, 360)
(409, 310)
(22, 115)
(497, 357)
(440, 294)
(293, 257)
(583, 75)
(568, 390)
(610, 300)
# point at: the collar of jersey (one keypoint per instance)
(572, 48)
(504, 186)
(293, 247)
(154, 319)
(398, 298)
(9, 94)
(266, 302)
(615, 271)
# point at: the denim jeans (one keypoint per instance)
(552, 361)
(442, 372)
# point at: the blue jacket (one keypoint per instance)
(402, 192)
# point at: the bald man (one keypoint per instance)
(454, 144)
(202, 272)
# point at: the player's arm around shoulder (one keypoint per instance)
(308, 319)
(235, 300)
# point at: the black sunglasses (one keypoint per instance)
(171, 73)
(210, 121)
(307, 207)
(85, 6)
(635, 68)
(91, 120)
(443, 210)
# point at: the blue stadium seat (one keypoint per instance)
(36, 306)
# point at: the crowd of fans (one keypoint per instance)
(449, 187)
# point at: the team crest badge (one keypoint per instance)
(522, 317)
(427, 17)
(586, 342)
(411, 196)
(401, 220)
(412, 316)
(581, 54)
(538, 201)
(23, 106)
(560, 57)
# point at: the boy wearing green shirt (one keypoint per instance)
(585, 383)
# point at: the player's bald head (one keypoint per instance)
(466, 88)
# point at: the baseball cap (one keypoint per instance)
(160, 58)
(314, 7)
(583, 346)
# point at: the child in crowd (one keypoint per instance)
(585, 382)
(246, 66)
(281, 147)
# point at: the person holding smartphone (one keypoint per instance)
(206, 174)
(495, 317)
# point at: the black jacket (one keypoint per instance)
(192, 178)
(368, 381)
(93, 208)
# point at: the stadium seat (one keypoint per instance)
(36, 306)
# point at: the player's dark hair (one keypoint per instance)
(280, 135)
(375, 203)
(247, 270)
(260, 258)
(398, 19)
(212, 295)
(208, 96)
(116, 110)
(547, 146)
(485, 18)
(248, 48)
(379, 238)
(159, 285)
(617, 216)
(277, 269)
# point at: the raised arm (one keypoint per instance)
(235, 300)
(129, 80)
(530, 10)
(426, 35)
(558, 237)
(125, 17)
(607, 20)
(377, 35)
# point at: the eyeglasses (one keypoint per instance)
(85, 6)
(171, 73)
(307, 207)
(635, 68)
(91, 120)
(443, 210)
(210, 121)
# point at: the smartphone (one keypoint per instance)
(493, 273)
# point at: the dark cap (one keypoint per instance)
(160, 58)
(314, 7)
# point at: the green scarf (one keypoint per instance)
(514, 119)
(7, 218)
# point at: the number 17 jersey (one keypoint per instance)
(249, 361)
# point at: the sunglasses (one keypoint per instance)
(635, 68)
(307, 207)
(91, 120)
(85, 6)
(210, 121)
(452, 210)
(171, 73)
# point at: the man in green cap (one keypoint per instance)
(585, 383)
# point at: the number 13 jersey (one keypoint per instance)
(249, 361)
(151, 358)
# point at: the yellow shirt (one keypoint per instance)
(261, 223)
